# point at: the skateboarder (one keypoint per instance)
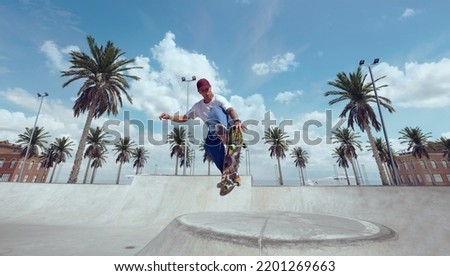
(212, 109)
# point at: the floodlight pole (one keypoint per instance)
(391, 157)
(186, 140)
(42, 96)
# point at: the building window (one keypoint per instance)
(5, 177)
(16, 177)
(422, 164)
(433, 164)
(428, 178)
(419, 179)
(444, 164)
(406, 165)
(448, 177)
(39, 166)
(411, 180)
(412, 165)
(31, 165)
(438, 178)
(1, 162)
(13, 163)
(25, 178)
(34, 179)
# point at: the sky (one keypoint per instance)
(271, 59)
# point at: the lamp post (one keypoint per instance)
(183, 79)
(247, 162)
(394, 169)
(42, 96)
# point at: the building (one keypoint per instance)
(432, 171)
(11, 161)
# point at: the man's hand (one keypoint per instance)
(164, 116)
(238, 124)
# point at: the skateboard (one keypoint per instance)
(233, 141)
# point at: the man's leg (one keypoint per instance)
(215, 149)
(213, 144)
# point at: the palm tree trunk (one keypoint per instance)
(137, 170)
(346, 176)
(389, 174)
(381, 171)
(303, 176)
(79, 155)
(118, 173)
(53, 172)
(279, 172)
(93, 175)
(355, 171)
(176, 165)
(87, 170)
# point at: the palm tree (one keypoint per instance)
(176, 139)
(279, 145)
(339, 154)
(417, 142)
(206, 157)
(358, 95)
(37, 143)
(98, 159)
(140, 156)
(347, 140)
(189, 157)
(95, 139)
(382, 151)
(48, 157)
(300, 159)
(62, 148)
(123, 149)
(445, 142)
(105, 81)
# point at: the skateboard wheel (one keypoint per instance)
(232, 146)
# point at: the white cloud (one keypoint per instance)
(56, 55)
(287, 96)
(408, 12)
(162, 90)
(419, 85)
(278, 64)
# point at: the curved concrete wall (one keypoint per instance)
(419, 215)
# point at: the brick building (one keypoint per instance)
(10, 164)
(432, 171)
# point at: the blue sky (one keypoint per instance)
(269, 58)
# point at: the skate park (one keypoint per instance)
(185, 216)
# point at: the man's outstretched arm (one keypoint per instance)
(175, 118)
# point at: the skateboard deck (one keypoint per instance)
(233, 141)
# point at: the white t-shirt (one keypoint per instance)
(201, 109)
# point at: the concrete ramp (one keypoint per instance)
(77, 219)
(268, 233)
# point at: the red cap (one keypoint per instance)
(203, 83)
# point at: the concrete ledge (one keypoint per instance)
(266, 233)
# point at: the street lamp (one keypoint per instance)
(394, 169)
(42, 96)
(183, 79)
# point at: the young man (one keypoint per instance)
(212, 109)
